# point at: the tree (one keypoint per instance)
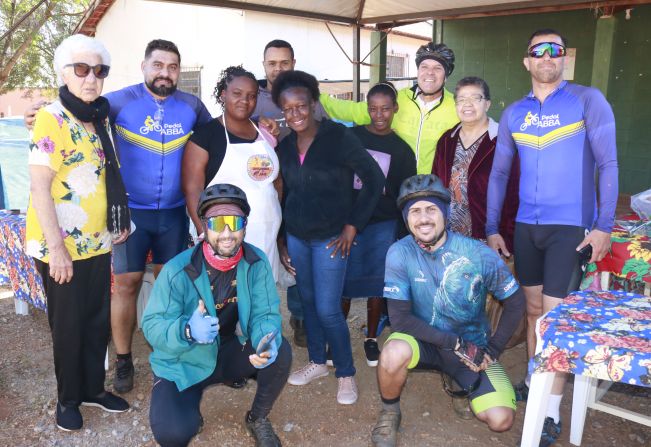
(31, 30)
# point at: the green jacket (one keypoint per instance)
(175, 297)
(421, 132)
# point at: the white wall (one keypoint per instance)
(215, 38)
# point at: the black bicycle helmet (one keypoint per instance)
(422, 185)
(439, 52)
(223, 193)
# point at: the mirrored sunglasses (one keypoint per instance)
(554, 49)
(82, 70)
(218, 223)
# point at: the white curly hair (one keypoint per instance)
(77, 43)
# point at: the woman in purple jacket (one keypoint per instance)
(463, 162)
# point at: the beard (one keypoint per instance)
(430, 240)
(162, 90)
(224, 253)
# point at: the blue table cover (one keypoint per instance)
(17, 268)
(605, 335)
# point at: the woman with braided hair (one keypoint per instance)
(234, 149)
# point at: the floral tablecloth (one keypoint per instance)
(16, 268)
(629, 260)
(605, 335)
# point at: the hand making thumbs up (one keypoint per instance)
(203, 327)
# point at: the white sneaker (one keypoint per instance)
(347, 392)
(307, 374)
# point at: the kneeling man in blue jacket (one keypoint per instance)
(209, 319)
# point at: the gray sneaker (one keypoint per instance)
(385, 432)
(308, 373)
(346, 390)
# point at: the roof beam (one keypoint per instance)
(268, 9)
(524, 7)
(360, 10)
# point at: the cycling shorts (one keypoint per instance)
(546, 255)
(494, 388)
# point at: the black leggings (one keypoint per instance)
(174, 415)
(78, 313)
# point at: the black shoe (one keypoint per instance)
(550, 432)
(124, 371)
(372, 352)
(329, 361)
(68, 418)
(107, 402)
(237, 383)
(262, 431)
(521, 392)
(300, 338)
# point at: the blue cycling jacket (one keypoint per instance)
(560, 142)
(150, 136)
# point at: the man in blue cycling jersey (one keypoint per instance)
(564, 134)
(436, 282)
(151, 123)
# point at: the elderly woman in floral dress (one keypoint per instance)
(78, 208)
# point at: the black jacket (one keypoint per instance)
(318, 195)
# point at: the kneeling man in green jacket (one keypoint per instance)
(210, 318)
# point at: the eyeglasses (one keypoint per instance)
(554, 49)
(300, 109)
(218, 223)
(472, 99)
(82, 70)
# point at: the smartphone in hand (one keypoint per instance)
(471, 353)
(265, 342)
(585, 254)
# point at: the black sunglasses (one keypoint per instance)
(82, 70)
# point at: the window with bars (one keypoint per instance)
(190, 80)
(396, 65)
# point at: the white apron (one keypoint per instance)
(253, 167)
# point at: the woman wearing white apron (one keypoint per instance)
(235, 151)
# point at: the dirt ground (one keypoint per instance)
(303, 416)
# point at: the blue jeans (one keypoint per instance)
(294, 304)
(320, 281)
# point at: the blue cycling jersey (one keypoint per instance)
(559, 142)
(150, 136)
(448, 287)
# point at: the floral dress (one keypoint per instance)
(78, 188)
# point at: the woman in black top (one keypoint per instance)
(365, 273)
(321, 216)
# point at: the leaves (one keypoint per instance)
(639, 267)
(27, 50)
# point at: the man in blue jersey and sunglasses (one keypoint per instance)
(564, 134)
(214, 317)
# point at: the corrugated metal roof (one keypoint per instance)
(382, 13)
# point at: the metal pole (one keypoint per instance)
(356, 64)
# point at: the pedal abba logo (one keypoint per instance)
(152, 125)
(544, 121)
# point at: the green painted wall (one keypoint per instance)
(493, 48)
(629, 92)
